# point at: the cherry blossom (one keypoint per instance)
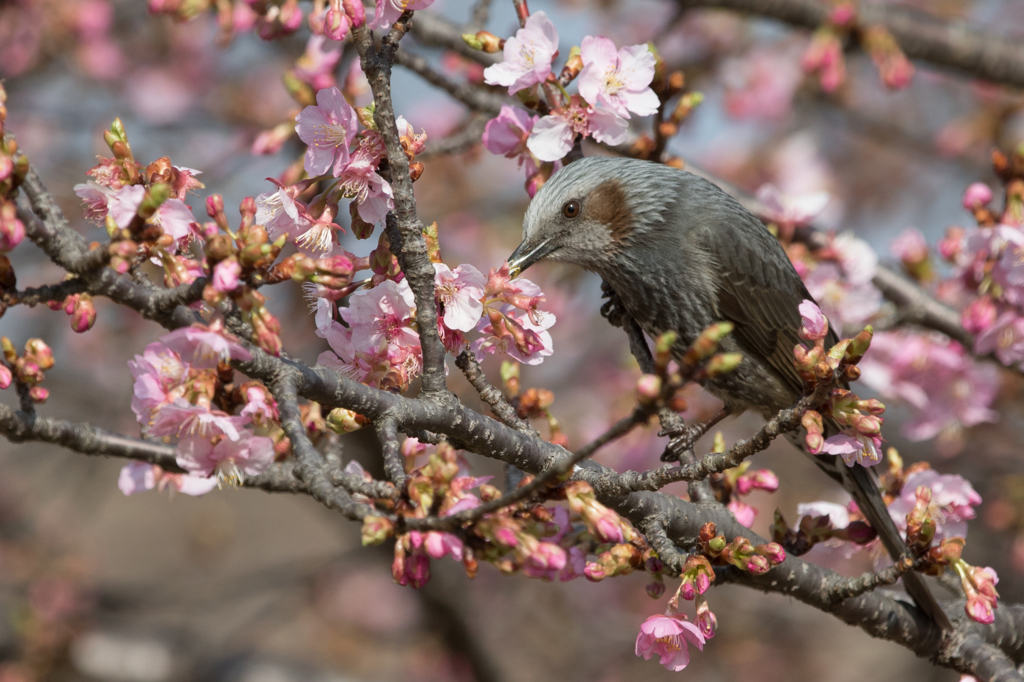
(667, 637)
(228, 459)
(528, 55)
(156, 373)
(814, 324)
(95, 199)
(952, 504)
(791, 210)
(316, 65)
(226, 275)
(744, 513)
(137, 477)
(506, 134)
(181, 418)
(204, 346)
(546, 561)
(388, 11)
(552, 136)
(124, 204)
(847, 305)
(761, 84)
(459, 291)
(1005, 338)
(517, 335)
(854, 448)
(328, 128)
(945, 388)
(359, 180)
(619, 80)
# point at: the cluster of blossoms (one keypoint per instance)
(667, 635)
(860, 440)
(945, 388)
(931, 511)
(271, 20)
(543, 542)
(614, 84)
(824, 55)
(184, 388)
(13, 168)
(379, 343)
(26, 370)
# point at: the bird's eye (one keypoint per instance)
(571, 209)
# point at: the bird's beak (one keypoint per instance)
(526, 255)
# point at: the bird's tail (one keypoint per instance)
(861, 484)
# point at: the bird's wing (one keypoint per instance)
(760, 292)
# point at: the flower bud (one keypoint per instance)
(343, 421)
(38, 394)
(976, 196)
(573, 66)
(84, 314)
(376, 529)
(723, 363)
(5, 376)
(648, 388)
(336, 24)
(40, 353)
(812, 422)
(355, 12)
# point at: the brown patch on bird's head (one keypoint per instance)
(607, 205)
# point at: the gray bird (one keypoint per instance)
(681, 254)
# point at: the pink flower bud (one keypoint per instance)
(757, 564)
(355, 12)
(545, 561)
(5, 376)
(648, 388)
(336, 24)
(814, 324)
(977, 195)
(84, 316)
(979, 315)
(226, 275)
(12, 230)
(38, 394)
(774, 552)
(979, 609)
(6, 167)
(594, 572)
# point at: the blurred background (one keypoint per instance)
(244, 586)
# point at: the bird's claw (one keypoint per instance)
(682, 441)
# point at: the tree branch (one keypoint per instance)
(953, 44)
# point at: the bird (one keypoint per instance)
(680, 254)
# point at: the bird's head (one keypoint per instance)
(593, 209)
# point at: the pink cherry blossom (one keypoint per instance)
(138, 477)
(528, 55)
(231, 460)
(552, 136)
(761, 84)
(124, 204)
(667, 637)
(328, 128)
(790, 210)
(388, 11)
(846, 305)
(226, 275)
(459, 292)
(535, 345)
(814, 324)
(856, 258)
(952, 505)
(744, 513)
(175, 218)
(945, 388)
(854, 448)
(546, 561)
(316, 65)
(260, 407)
(506, 134)
(181, 418)
(439, 545)
(95, 200)
(619, 80)
(359, 180)
(204, 346)
(156, 374)
(910, 246)
(1005, 338)
(1008, 273)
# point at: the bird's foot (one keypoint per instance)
(684, 437)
